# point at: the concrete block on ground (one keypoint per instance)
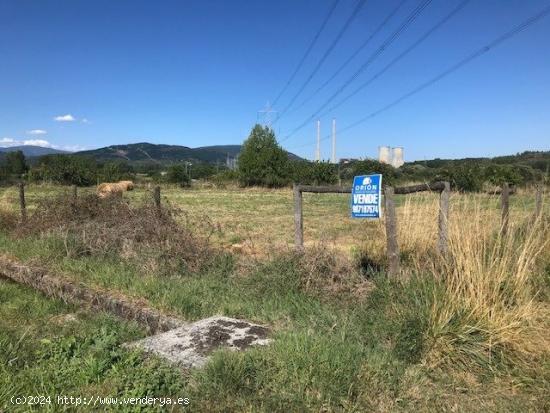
(191, 345)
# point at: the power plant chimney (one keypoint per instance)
(333, 158)
(397, 157)
(318, 151)
(384, 154)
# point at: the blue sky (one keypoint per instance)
(196, 73)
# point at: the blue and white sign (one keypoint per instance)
(366, 196)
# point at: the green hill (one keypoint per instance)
(164, 154)
(31, 150)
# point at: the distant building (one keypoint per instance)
(345, 161)
(397, 157)
(391, 156)
(384, 154)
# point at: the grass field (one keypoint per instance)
(262, 220)
(466, 334)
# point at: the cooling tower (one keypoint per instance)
(397, 157)
(384, 154)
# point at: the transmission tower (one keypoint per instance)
(267, 115)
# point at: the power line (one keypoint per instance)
(422, 38)
(392, 13)
(344, 28)
(478, 53)
(408, 21)
(308, 51)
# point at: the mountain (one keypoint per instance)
(165, 154)
(31, 151)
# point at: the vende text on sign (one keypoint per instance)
(366, 196)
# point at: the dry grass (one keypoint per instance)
(154, 240)
(489, 307)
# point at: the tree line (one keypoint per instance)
(263, 162)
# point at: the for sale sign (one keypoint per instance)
(366, 196)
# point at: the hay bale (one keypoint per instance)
(109, 189)
(128, 185)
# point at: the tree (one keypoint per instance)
(262, 161)
(15, 163)
(65, 169)
(177, 174)
(113, 171)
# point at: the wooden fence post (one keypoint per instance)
(391, 233)
(538, 201)
(298, 219)
(75, 193)
(156, 198)
(442, 243)
(22, 203)
(505, 205)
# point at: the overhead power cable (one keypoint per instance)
(342, 31)
(478, 53)
(404, 25)
(392, 13)
(308, 51)
(413, 46)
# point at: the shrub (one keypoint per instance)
(368, 167)
(94, 226)
(466, 178)
(314, 173)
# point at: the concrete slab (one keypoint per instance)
(190, 345)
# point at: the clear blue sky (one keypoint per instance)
(195, 73)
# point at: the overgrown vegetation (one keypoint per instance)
(151, 238)
(469, 331)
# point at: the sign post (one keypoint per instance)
(366, 196)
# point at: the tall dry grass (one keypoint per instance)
(485, 308)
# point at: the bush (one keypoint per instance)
(368, 167)
(94, 226)
(314, 173)
(466, 178)
(499, 174)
